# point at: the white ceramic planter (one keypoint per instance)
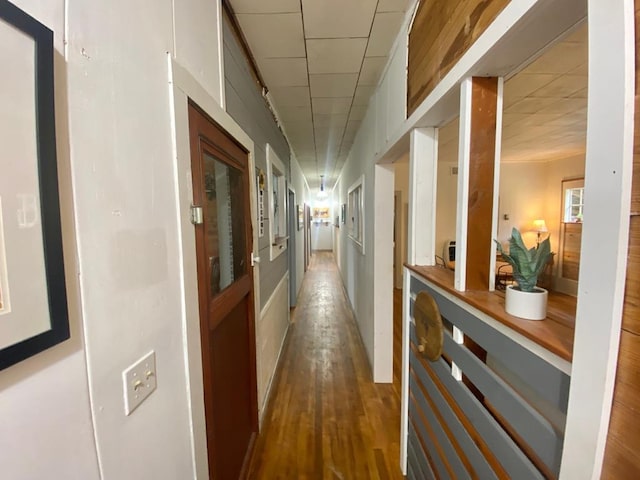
(527, 305)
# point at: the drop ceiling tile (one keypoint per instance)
(583, 93)
(335, 55)
(323, 120)
(357, 113)
(272, 6)
(333, 85)
(582, 69)
(511, 118)
(525, 84)
(393, 5)
(303, 149)
(363, 94)
(338, 106)
(384, 31)
(284, 72)
(300, 132)
(570, 120)
(580, 35)
(564, 105)
(273, 35)
(371, 70)
(562, 87)
(291, 96)
(294, 114)
(332, 134)
(352, 127)
(530, 105)
(562, 58)
(337, 18)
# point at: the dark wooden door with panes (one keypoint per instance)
(225, 286)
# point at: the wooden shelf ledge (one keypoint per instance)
(555, 333)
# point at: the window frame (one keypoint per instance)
(277, 188)
(569, 185)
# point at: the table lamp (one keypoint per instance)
(540, 227)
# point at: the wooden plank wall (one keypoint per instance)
(442, 32)
(572, 239)
(622, 458)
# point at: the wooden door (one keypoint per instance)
(225, 287)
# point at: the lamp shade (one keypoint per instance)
(540, 226)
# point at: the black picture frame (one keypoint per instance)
(47, 187)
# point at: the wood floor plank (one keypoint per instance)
(326, 418)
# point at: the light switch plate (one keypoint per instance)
(139, 381)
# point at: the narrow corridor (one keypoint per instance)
(327, 419)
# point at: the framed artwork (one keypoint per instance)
(343, 213)
(33, 301)
(355, 226)
(321, 213)
(300, 217)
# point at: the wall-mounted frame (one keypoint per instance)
(343, 213)
(300, 211)
(33, 309)
(355, 208)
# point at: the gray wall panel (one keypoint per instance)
(475, 456)
(244, 102)
(545, 379)
(530, 425)
(420, 428)
(441, 436)
(506, 451)
(421, 463)
(417, 461)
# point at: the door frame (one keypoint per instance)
(292, 223)
(182, 87)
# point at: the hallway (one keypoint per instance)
(326, 418)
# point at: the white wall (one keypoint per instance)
(299, 183)
(322, 235)
(44, 401)
(385, 115)
(124, 278)
(126, 217)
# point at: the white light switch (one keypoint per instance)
(139, 381)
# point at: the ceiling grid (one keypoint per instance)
(321, 61)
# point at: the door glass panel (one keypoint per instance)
(224, 223)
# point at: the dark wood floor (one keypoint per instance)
(327, 419)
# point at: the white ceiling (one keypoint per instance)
(545, 107)
(321, 61)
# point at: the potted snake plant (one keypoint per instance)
(526, 300)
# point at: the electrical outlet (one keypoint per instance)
(139, 381)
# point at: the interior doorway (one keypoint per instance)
(222, 218)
